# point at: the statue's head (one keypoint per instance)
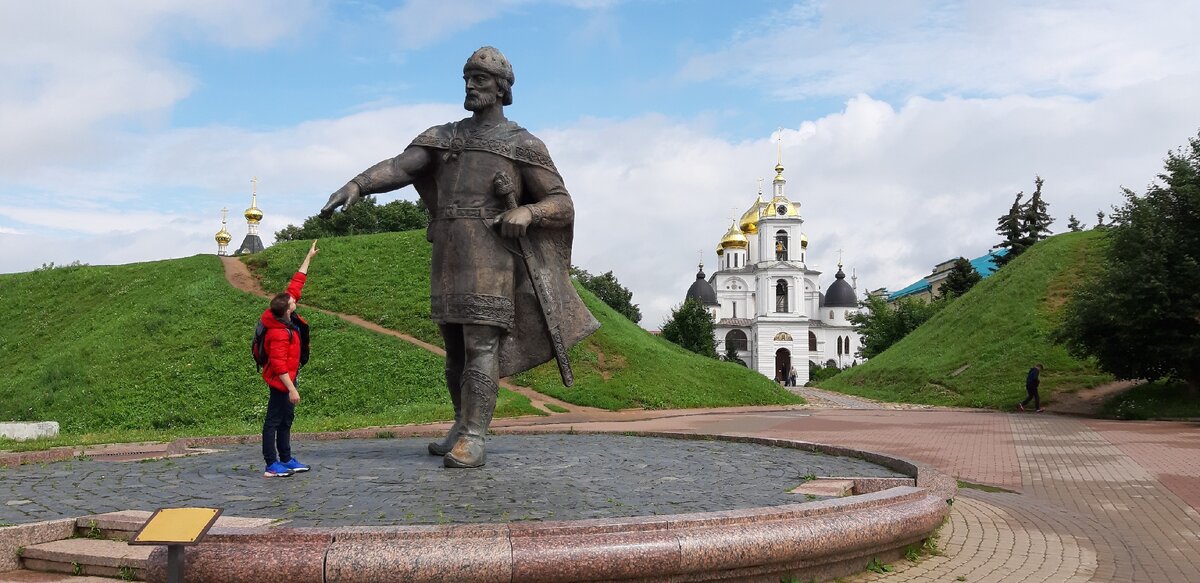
(490, 62)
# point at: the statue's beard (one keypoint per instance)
(478, 101)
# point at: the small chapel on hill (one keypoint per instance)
(766, 302)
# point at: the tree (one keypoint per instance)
(1074, 224)
(691, 327)
(1009, 227)
(364, 218)
(1139, 314)
(882, 325)
(731, 354)
(1035, 218)
(1100, 220)
(1023, 224)
(961, 278)
(610, 291)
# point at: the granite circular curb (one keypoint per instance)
(818, 540)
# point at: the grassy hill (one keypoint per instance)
(976, 351)
(385, 279)
(153, 350)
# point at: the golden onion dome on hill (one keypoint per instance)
(734, 239)
(749, 221)
(253, 214)
(223, 237)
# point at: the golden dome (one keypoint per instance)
(749, 221)
(803, 241)
(253, 214)
(778, 172)
(720, 250)
(734, 239)
(223, 237)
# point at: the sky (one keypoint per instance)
(906, 127)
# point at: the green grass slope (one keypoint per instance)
(385, 279)
(152, 350)
(977, 351)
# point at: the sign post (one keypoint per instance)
(176, 528)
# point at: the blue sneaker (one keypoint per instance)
(277, 470)
(295, 465)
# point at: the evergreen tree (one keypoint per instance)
(961, 278)
(1074, 224)
(1008, 226)
(731, 355)
(1100, 220)
(882, 325)
(691, 327)
(1139, 314)
(364, 218)
(610, 291)
(1035, 220)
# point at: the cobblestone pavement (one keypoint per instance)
(1091, 501)
(820, 398)
(394, 481)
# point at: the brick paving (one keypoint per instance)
(1092, 501)
(1162, 448)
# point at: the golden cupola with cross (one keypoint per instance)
(252, 243)
(254, 215)
(223, 237)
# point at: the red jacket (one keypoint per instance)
(283, 349)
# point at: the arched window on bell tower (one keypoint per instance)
(781, 245)
(781, 296)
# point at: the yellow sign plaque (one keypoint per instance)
(176, 526)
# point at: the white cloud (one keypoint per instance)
(73, 69)
(976, 48)
(420, 23)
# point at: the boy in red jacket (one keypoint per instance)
(282, 343)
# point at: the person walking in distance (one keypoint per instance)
(1032, 380)
(284, 343)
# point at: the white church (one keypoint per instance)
(767, 303)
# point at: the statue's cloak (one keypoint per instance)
(527, 343)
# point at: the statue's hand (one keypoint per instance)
(515, 223)
(345, 197)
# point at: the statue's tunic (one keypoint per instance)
(479, 277)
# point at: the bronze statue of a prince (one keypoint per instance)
(501, 228)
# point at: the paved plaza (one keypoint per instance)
(1089, 500)
(394, 481)
(1066, 499)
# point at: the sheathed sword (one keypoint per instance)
(503, 186)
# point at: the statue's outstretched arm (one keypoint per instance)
(385, 176)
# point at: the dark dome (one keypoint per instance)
(702, 291)
(840, 294)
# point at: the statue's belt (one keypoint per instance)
(457, 212)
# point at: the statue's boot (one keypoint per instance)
(454, 385)
(479, 393)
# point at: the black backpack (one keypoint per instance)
(258, 344)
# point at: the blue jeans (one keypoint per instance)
(277, 427)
